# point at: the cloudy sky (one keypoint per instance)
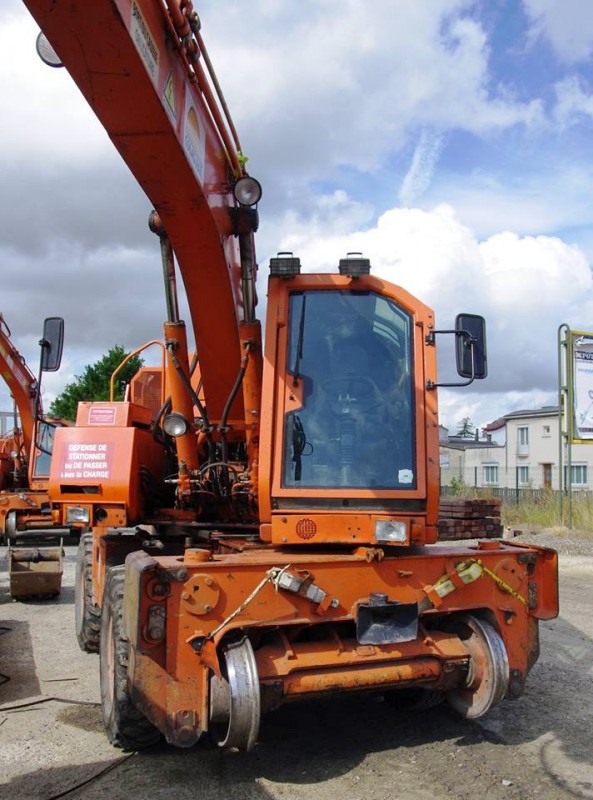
(448, 140)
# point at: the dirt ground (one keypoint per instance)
(52, 744)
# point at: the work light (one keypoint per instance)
(247, 191)
(46, 52)
(175, 424)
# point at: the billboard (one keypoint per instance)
(581, 356)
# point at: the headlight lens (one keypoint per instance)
(46, 52)
(175, 424)
(387, 530)
(247, 191)
(78, 514)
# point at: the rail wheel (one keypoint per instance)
(10, 528)
(488, 676)
(125, 725)
(87, 615)
(235, 700)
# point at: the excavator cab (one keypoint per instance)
(352, 420)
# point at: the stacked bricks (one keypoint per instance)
(463, 518)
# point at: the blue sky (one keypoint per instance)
(449, 140)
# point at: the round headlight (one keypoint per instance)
(46, 52)
(247, 191)
(175, 424)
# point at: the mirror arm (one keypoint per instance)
(470, 341)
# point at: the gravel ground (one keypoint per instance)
(567, 542)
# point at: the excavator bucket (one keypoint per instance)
(35, 571)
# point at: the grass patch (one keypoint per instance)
(539, 508)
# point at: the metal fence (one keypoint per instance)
(534, 477)
(513, 497)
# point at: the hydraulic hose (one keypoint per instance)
(227, 407)
(196, 401)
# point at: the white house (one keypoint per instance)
(520, 450)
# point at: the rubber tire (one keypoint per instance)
(125, 725)
(87, 615)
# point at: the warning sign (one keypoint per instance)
(102, 415)
(87, 461)
(169, 97)
(145, 43)
(194, 139)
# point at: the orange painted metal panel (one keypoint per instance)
(279, 397)
(107, 459)
(121, 56)
(300, 650)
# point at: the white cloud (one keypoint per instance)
(46, 114)
(572, 100)
(548, 193)
(525, 287)
(419, 175)
(351, 91)
(567, 25)
(483, 408)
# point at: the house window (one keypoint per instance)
(578, 474)
(523, 434)
(523, 475)
(546, 430)
(490, 474)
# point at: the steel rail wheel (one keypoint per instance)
(10, 528)
(236, 700)
(87, 615)
(126, 727)
(488, 676)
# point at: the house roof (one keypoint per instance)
(465, 443)
(496, 425)
(544, 411)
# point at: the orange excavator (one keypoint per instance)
(271, 533)
(25, 451)
(15, 445)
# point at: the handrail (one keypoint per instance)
(135, 352)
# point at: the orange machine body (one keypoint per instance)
(304, 649)
(277, 521)
(22, 386)
(25, 451)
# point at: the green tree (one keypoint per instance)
(93, 384)
(465, 428)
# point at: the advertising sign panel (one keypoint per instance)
(582, 374)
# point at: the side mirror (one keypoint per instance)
(470, 341)
(52, 344)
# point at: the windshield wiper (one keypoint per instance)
(299, 442)
(299, 352)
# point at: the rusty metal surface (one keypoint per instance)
(35, 572)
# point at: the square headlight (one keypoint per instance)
(391, 531)
(78, 514)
